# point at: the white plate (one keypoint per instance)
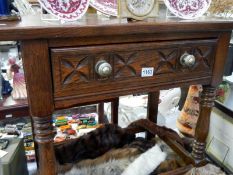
(68, 10)
(108, 7)
(188, 9)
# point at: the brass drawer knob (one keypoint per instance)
(187, 60)
(103, 68)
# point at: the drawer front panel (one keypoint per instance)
(74, 68)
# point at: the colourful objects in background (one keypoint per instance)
(69, 126)
(71, 132)
(61, 121)
(63, 128)
(61, 118)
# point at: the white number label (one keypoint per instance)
(147, 72)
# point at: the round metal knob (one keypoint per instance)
(103, 68)
(187, 60)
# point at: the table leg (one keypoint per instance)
(114, 110)
(37, 67)
(101, 112)
(202, 127)
(43, 130)
(152, 108)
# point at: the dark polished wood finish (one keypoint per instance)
(152, 108)
(221, 51)
(39, 87)
(59, 61)
(202, 128)
(114, 110)
(101, 112)
(73, 68)
(31, 27)
(153, 103)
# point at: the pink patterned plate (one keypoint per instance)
(68, 10)
(188, 9)
(108, 7)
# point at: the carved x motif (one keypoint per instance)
(73, 70)
(126, 64)
(166, 60)
(204, 56)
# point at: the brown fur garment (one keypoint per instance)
(128, 152)
(114, 154)
(140, 145)
(93, 144)
(108, 137)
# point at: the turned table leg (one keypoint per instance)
(202, 127)
(37, 70)
(43, 131)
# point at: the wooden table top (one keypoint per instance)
(32, 27)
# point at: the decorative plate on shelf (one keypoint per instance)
(188, 9)
(68, 10)
(108, 7)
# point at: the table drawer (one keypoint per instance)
(74, 68)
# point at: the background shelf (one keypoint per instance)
(13, 108)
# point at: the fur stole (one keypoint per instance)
(124, 156)
(112, 166)
(125, 161)
(93, 144)
(86, 149)
(110, 136)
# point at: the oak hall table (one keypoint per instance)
(98, 59)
